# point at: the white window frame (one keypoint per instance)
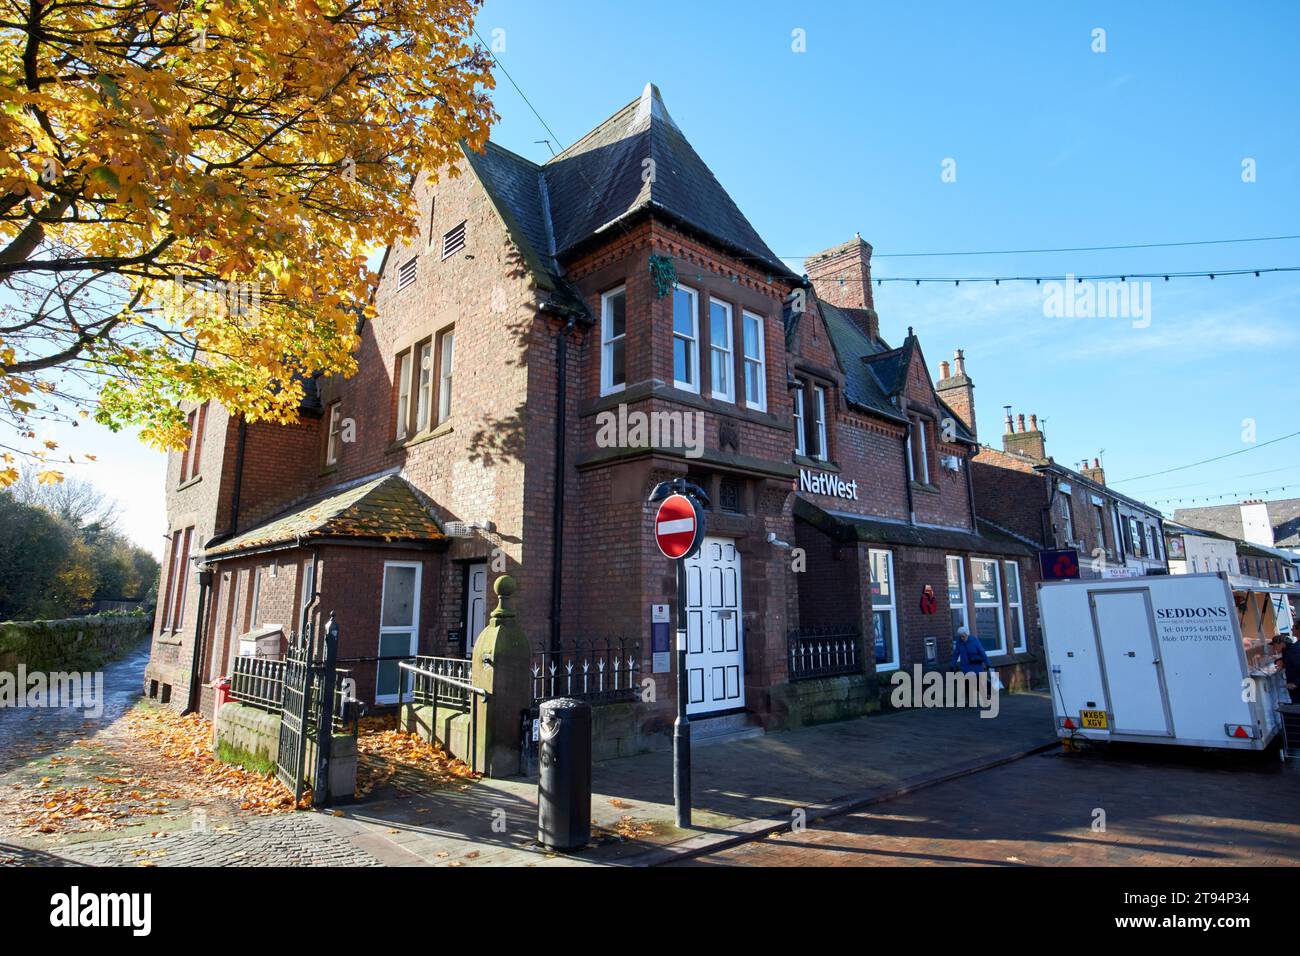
(916, 448)
(446, 367)
(332, 439)
(1067, 499)
(799, 447)
(693, 339)
(759, 362)
(819, 409)
(1010, 571)
(964, 608)
(723, 355)
(977, 604)
(394, 629)
(895, 663)
(404, 393)
(607, 385)
(424, 386)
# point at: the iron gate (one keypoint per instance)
(294, 718)
(307, 711)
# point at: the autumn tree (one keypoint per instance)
(189, 192)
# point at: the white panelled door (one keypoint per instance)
(475, 604)
(715, 656)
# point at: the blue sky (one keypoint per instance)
(1055, 145)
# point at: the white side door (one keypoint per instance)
(1125, 627)
(715, 657)
(475, 604)
(399, 626)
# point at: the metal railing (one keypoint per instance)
(598, 671)
(259, 682)
(434, 681)
(824, 652)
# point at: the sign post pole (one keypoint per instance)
(679, 532)
(682, 725)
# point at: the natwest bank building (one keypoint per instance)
(885, 509)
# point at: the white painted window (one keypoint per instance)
(722, 364)
(819, 420)
(613, 341)
(686, 339)
(800, 447)
(446, 350)
(755, 361)
(332, 440)
(957, 593)
(454, 240)
(986, 588)
(404, 395)
(1067, 516)
(1015, 605)
(918, 457)
(424, 392)
(884, 610)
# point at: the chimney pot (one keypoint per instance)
(943, 371)
(1010, 427)
(1020, 423)
(1096, 463)
(1033, 423)
(959, 361)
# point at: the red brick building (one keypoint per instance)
(558, 339)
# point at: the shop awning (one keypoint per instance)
(844, 527)
(381, 509)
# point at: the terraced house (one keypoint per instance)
(542, 318)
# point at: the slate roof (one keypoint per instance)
(873, 372)
(384, 509)
(846, 527)
(1283, 515)
(553, 209)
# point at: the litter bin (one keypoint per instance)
(564, 778)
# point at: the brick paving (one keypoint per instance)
(1176, 808)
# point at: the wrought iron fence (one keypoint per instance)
(824, 652)
(259, 682)
(599, 671)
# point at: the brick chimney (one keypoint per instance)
(1021, 441)
(1094, 472)
(841, 276)
(957, 390)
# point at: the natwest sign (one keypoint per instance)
(824, 483)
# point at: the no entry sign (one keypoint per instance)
(678, 526)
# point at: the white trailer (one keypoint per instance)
(1172, 659)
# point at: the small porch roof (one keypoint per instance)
(381, 509)
(845, 528)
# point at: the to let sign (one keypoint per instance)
(677, 526)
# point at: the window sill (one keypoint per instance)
(822, 464)
(436, 432)
(927, 488)
(189, 482)
(329, 469)
(172, 638)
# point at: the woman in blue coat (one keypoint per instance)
(968, 653)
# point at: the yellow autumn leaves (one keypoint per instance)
(191, 190)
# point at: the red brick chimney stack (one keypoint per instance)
(1028, 443)
(1094, 472)
(841, 276)
(957, 390)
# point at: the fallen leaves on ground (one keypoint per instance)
(384, 753)
(628, 827)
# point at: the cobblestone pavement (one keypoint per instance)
(298, 839)
(1172, 808)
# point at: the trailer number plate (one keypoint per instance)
(1094, 719)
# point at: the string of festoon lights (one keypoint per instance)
(1192, 499)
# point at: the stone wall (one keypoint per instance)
(75, 643)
